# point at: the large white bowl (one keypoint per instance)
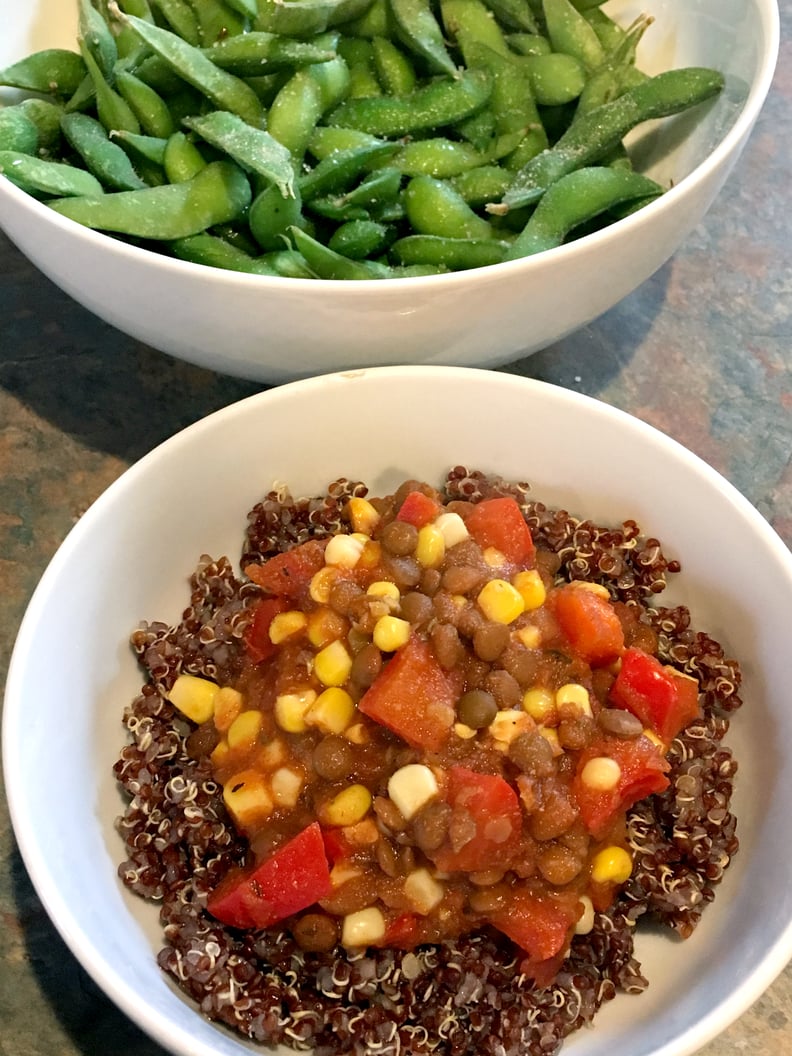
(272, 329)
(129, 557)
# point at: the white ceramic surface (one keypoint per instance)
(129, 557)
(274, 329)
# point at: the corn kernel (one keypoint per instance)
(530, 636)
(463, 731)
(423, 891)
(391, 633)
(509, 724)
(551, 736)
(247, 798)
(333, 664)
(430, 548)
(601, 774)
(452, 528)
(411, 787)
(343, 551)
(595, 588)
(194, 697)
(531, 588)
(325, 625)
(290, 709)
(343, 871)
(286, 624)
(356, 733)
(586, 919)
(371, 556)
(219, 753)
(321, 584)
(362, 515)
(500, 601)
(349, 806)
(286, 785)
(612, 865)
(539, 703)
(332, 711)
(227, 705)
(363, 928)
(383, 588)
(572, 693)
(493, 557)
(244, 730)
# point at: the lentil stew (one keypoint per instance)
(408, 780)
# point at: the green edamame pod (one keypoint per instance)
(336, 209)
(358, 53)
(289, 264)
(295, 113)
(435, 208)
(575, 199)
(609, 33)
(360, 239)
(394, 70)
(338, 171)
(421, 33)
(216, 21)
(181, 18)
(150, 148)
(438, 157)
(514, 14)
(253, 149)
(556, 78)
(46, 116)
(95, 35)
(272, 214)
(249, 8)
(215, 252)
(379, 191)
(452, 254)
(570, 33)
(256, 53)
(529, 44)
(219, 193)
(599, 131)
(617, 73)
(183, 160)
(374, 22)
(481, 185)
(303, 18)
(441, 102)
(46, 178)
(470, 23)
(17, 132)
(329, 139)
(54, 71)
(148, 106)
(326, 264)
(106, 160)
(334, 81)
(114, 112)
(225, 90)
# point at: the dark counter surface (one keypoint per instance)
(703, 351)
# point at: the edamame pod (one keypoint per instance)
(17, 132)
(105, 159)
(253, 149)
(217, 253)
(256, 53)
(326, 264)
(435, 208)
(54, 71)
(453, 254)
(46, 178)
(421, 32)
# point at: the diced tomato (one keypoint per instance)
(288, 575)
(418, 509)
(293, 878)
(336, 846)
(589, 623)
(257, 639)
(662, 698)
(500, 523)
(401, 932)
(539, 924)
(487, 805)
(643, 772)
(413, 696)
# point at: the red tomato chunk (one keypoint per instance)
(662, 698)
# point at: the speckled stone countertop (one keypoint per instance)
(703, 350)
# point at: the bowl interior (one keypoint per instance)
(129, 558)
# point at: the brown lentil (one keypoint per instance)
(477, 708)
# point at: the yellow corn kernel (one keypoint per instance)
(341, 872)
(227, 705)
(219, 753)
(357, 733)
(371, 556)
(423, 891)
(595, 588)
(286, 624)
(391, 633)
(321, 584)
(601, 774)
(362, 515)
(493, 557)
(430, 548)
(348, 807)
(343, 551)
(332, 711)
(551, 736)
(530, 636)
(540, 704)
(463, 731)
(363, 928)
(531, 587)
(452, 528)
(194, 697)
(612, 865)
(586, 919)
(383, 588)
(509, 724)
(572, 693)
(333, 664)
(290, 710)
(500, 601)
(324, 626)
(244, 730)
(247, 798)
(286, 785)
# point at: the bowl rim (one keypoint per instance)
(768, 12)
(41, 872)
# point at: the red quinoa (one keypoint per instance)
(460, 997)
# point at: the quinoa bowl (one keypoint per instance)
(115, 571)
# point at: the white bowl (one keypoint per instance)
(270, 329)
(129, 557)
